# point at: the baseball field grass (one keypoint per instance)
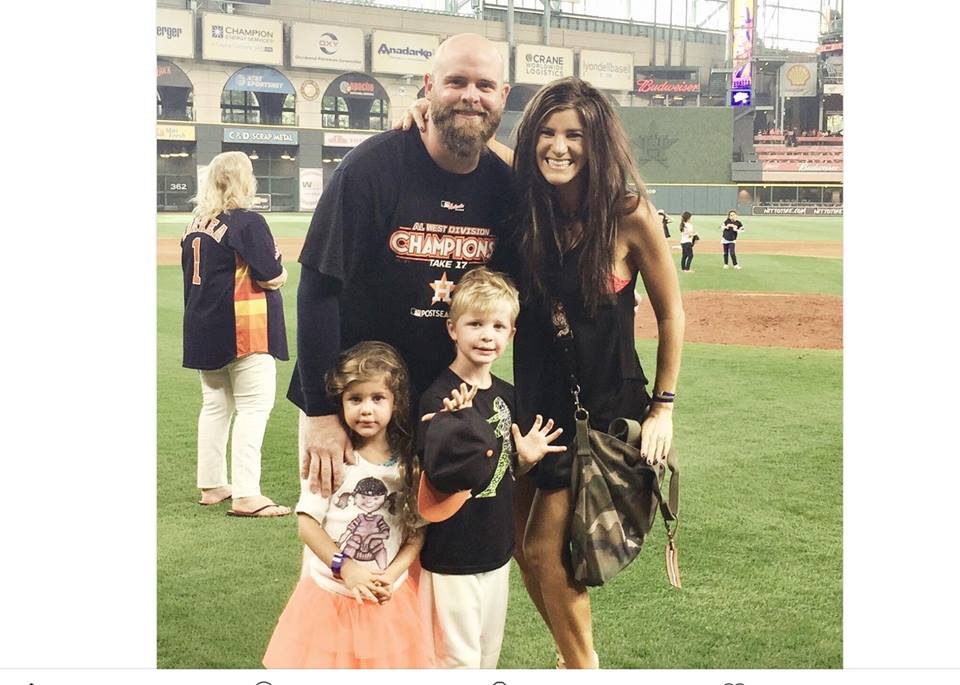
(760, 437)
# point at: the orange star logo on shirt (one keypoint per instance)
(442, 289)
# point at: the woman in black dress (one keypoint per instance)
(586, 232)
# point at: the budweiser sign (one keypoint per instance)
(652, 86)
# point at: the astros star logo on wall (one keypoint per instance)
(653, 146)
(442, 289)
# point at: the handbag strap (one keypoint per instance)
(563, 335)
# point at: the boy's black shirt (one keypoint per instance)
(479, 537)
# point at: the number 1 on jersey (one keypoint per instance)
(196, 260)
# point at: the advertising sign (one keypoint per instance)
(176, 132)
(260, 80)
(540, 64)
(798, 79)
(311, 187)
(607, 70)
(833, 89)
(174, 33)
(797, 210)
(649, 81)
(740, 98)
(260, 136)
(402, 53)
(170, 75)
(235, 38)
(322, 46)
(261, 202)
(742, 23)
(345, 139)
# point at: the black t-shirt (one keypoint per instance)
(226, 314)
(729, 233)
(396, 232)
(479, 537)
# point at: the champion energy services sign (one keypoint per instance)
(540, 64)
(402, 53)
(232, 38)
(174, 33)
(321, 46)
(607, 70)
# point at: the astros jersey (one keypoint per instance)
(398, 232)
(226, 314)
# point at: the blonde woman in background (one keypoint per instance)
(233, 331)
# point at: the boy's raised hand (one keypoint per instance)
(535, 445)
(460, 398)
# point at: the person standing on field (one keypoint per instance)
(731, 228)
(233, 332)
(404, 217)
(687, 238)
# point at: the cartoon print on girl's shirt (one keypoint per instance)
(365, 536)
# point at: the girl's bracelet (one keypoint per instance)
(664, 397)
(336, 564)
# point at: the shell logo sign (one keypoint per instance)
(798, 75)
(798, 79)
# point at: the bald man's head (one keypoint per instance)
(466, 93)
(457, 47)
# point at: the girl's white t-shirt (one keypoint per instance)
(358, 518)
(686, 235)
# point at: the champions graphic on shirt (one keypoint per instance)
(443, 243)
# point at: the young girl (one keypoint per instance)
(357, 607)
(687, 237)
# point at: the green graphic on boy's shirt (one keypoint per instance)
(501, 420)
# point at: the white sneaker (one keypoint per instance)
(737, 267)
(726, 266)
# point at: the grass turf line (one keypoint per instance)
(760, 544)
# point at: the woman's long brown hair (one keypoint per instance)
(612, 187)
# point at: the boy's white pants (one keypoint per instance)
(247, 387)
(472, 610)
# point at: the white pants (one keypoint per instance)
(472, 611)
(246, 387)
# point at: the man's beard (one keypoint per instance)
(467, 138)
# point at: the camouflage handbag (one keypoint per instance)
(615, 493)
(616, 496)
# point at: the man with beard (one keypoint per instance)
(405, 215)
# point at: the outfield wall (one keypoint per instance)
(696, 199)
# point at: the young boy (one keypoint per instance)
(467, 443)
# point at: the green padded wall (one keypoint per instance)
(681, 144)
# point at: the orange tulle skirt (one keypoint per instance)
(321, 629)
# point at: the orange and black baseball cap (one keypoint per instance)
(458, 463)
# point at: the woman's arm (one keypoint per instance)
(650, 255)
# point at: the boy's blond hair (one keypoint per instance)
(480, 290)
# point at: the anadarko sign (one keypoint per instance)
(402, 53)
